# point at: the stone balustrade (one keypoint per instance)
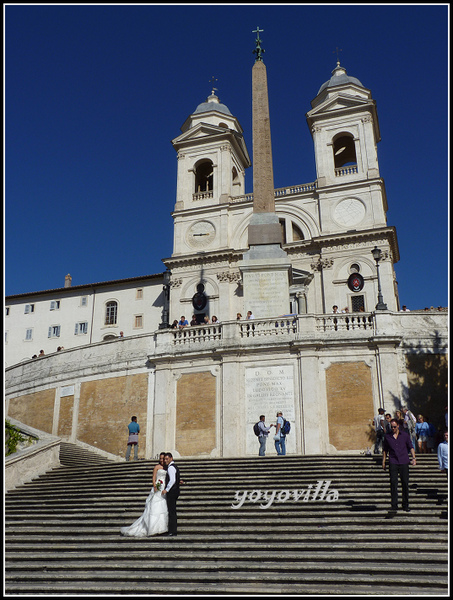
(203, 195)
(345, 322)
(232, 332)
(197, 334)
(279, 192)
(268, 327)
(349, 170)
(413, 329)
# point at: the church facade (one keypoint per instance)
(197, 391)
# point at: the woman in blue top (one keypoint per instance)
(422, 433)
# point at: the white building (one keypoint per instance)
(79, 315)
(198, 391)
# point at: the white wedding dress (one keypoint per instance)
(154, 519)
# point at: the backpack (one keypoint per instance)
(256, 429)
(286, 427)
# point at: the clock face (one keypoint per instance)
(201, 234)
(349, 212)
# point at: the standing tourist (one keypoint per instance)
(262, 438)
(442, 454)
(132, 440)
(380, 430)
(279, 437)
(171, 492)
(397, 446)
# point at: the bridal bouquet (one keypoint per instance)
(159, 485)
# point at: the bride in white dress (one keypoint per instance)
(154, 519)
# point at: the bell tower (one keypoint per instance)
(212, 158)
(351, 196)
(344, 124)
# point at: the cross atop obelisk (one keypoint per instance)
(258, 50)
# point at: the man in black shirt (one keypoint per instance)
(171, 492)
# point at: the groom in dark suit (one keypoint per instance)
(171, 492)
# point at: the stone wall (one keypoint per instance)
(192, 394)
(36, 409)
(350, 405)
(196, 414)
(105, 409)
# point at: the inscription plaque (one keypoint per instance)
(266, 292)
(67, 390)
(268, 390)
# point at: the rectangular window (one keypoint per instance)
(84, 301)
(111, 313)
(54, 331)
(28, 335)
(81, 328)
(55, 305)
(139, 294)
(29, 308)
(358, 303)
(138, 321)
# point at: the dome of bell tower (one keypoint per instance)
(212, 104)
(339, 77)
(212, 112)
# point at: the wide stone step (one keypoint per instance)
(116, 492)
(296, 499)
(220, 489)
(267, 571)
(43, 558)
(236, 479)
(171, 580)
(231, 588)
(288, 568)
(276, 513)
(291, 533)
(111, 542)
(218, 483)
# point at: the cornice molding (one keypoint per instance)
(315, 246)
(331, 242)
(204, 258)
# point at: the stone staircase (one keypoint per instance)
(62, 530)
(72, 455)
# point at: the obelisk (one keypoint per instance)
(265, 267)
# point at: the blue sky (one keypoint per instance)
(94, 94)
